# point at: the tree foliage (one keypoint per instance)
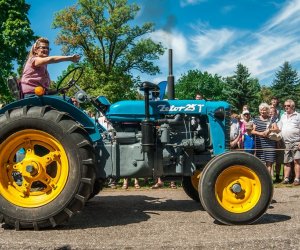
(112, 46)
(16, 36)
(266, 94)
(195, 81)
(241, 89)
(286, 83)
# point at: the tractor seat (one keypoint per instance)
(14, 87)
(149, 86)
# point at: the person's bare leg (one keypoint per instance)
(269, 167)
(287, 171)
(297, 172)
(136, 183)
(125, 183)
(277, 170)
(158, 184)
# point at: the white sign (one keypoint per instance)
(186, 108)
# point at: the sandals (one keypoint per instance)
(285, 181)
(125, 186)
(173, 185)
(296, 182)
(157, 186)
(113, 186)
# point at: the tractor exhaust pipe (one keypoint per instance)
(171, 89)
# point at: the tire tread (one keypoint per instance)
(87, 181)
(52, 222)
(68, 212)
(17, 225)
(35, 226)
(83, 143)
(80, 198)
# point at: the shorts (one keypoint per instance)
(292, 152)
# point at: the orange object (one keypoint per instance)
(39, 91)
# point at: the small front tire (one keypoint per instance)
(236, 188)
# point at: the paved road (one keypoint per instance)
(163, 219)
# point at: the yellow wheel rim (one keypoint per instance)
(195, 179)
(40, 176)
(238, 189)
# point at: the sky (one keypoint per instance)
(207, 35)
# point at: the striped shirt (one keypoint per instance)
(264, 145)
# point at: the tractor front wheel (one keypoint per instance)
(236, 188)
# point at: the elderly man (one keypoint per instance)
(289, 125)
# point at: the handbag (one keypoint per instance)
(275, 136)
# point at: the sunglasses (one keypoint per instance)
(43, 47)
(287, 106)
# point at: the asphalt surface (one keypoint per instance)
(163, 219)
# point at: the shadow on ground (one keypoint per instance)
(110, 211)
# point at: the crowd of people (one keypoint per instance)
(273, 136)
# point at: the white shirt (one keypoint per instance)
(234, 129)
(290, 127)
(102, 120)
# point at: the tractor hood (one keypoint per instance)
(134, 111)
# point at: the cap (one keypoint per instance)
(246, 112)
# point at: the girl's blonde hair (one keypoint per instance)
(36, 45)
(33, 48)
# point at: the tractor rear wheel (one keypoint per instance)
(46, 167)
(98, 186)
(236, 188)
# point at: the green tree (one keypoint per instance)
(112, 46)
(16, 36)
(266, 94)
(241, 89)
(286, 83)
(195, 81)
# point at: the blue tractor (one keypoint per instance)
(54, 157)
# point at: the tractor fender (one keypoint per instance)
(61, 104)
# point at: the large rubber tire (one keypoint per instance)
(190, 185)
(98, 186)
(236, 188)
(57, 175)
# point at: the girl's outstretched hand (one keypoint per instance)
(75, 58)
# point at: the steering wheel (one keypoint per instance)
(63, 86)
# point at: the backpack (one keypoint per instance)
(14, 87)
